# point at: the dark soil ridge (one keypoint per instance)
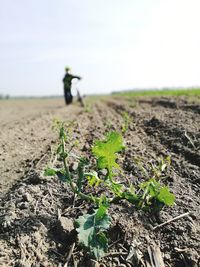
(30, 230)
(169, 133)
(173, 103)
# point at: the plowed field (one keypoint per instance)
(31, 228)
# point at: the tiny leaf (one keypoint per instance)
(166, 196)
(59, 149)
(131, 197)
(93, 178)
(49, 172)
(62, 176)
(116, 188)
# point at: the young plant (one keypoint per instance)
(92, 228)
(88, 108)
(158, 169)
(63, 173)
(126, 122)
(155, 196)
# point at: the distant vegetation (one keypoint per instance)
(4, 96)
(29, 97)
(161, 92)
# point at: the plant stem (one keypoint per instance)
(73, 187)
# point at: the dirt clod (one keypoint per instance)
(65, 229)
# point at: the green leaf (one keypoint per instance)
(115, 187)
(91, 228)
(62, 176)
(59, 172)
(151, 182)
(131, 197)
(126, 121)
(62, 133)
(150, 187)
(154, 188)
(98, 245)
(166, 197)
(49, 172)
(59, 149)
(93, 178)
(155, 193)
(101, 212)
(105, 151)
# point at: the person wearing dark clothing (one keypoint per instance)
(67, 80)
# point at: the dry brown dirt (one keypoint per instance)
(31, 233)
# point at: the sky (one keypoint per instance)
(112, 44)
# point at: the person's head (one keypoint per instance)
(67, 69)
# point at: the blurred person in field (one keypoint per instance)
(67, 80)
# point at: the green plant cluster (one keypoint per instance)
(149, 195)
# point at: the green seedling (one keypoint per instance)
(91, 228)
(64, 174)
(155, 196)
(126, 122)
(88, 108)
(158, 169)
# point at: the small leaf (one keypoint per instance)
(49, 172)
(131, 197)
(91, 228)
(150, 187)
(105, 151)
(101, 212)
(166, 196)
(62, 133)
(59, 149)
(154, 188)
(116, 188)
(62, 176)
(59, 172)
(93, 178)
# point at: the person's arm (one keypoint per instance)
(76, 77)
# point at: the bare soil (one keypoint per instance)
(32, 232)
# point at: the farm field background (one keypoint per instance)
(161, 126)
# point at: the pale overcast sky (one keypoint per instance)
(112, 44)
